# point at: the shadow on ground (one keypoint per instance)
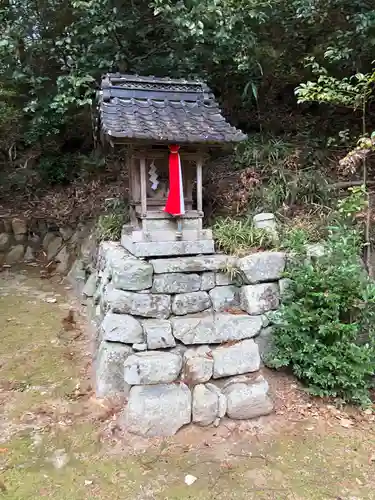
(57, 441)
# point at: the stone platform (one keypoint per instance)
(181, 339)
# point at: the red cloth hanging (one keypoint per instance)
(175, 203)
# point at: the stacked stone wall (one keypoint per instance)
(183, 338)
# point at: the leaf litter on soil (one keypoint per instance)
(49, 415)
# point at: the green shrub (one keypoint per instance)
(57, 169)
(109, 224)
(324, 331)
(238, 236)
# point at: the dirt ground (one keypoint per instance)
(58, 441)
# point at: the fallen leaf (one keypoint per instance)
(189, 480)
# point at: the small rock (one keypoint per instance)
(62, 258)
(208, 281)
(187, 303)
(48, 238)
(59, 459)
(157, 410)
(122, 328)
(109, 369)
(236, 359)
(152, 367)
(19, 226)
(197, 365)
(158, 333)
(29, 255)
(258, 299)
(206, 406)
(54, 247)
(189, 480)
(90, 285)
(15, 255)
(248, 400)
(4, 242)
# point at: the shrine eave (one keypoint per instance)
(162, 111)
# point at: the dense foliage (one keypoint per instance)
(325, 330)
(253, 52)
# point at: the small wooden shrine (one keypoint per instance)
(169, 127)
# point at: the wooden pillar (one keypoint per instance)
(199, 186)
(143, 186)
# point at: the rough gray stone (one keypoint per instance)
(224, 297)
(122, 328)
(4, 242)
(140, 347)
(109, 369)
(88, 248)
(223, 279)
(90, 285)
(152, 367)
(139, 304)
(248, 400)
(258, 299)
(193, 264)
(239, 358)
(158, 410)
(19, 226)
(262, 266)
(264, 342)
(15, 255)
(29, 255)
(20, 238)
(222, 408)
(77, 275)
(48, 238)
(158, 333)
(208, 281)
(176, 283)
(128, 273)
(187, 303)
(7, 225)
(34, 241)
(205, 405)
(194, 329)
(204, 328)
(236, 326)
(315, 250)
(54, 247)
(63, 258)
(197, 365)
